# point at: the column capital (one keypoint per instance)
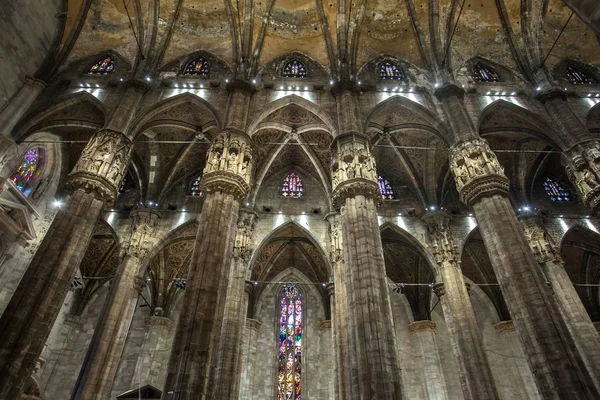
(240, 85)
(229, 165)
(477, 171)
(449, 90)
(439, 289)
(139, 282)
(325, 325)
(442, 244)
(249, 287)
(102, 165)
(35, 82)
(583, 171)
(141, 238)
(422, 326)
(551, 93)
(253, 324)
(504, 326)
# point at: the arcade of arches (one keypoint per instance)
(299, 200)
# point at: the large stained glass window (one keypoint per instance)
(292, 186)
(195, 189)
(385, 188)
(289, 381)
(556, 191)
(294, 69)
(198, 66)
(27, 171)
(102, 67)
(390, 71)
(482, 73)
(578, 77)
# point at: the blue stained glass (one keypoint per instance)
(390, 71)
(385, 188)
(294, 69)
(195, 189)
(25, 173)
(289, 384)
(482, 73)
(292, 186)
(198, 66)
(102, 67)
(556, 191)
(578, 77)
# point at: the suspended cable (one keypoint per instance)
(556, 40)
(453, 31)
(133, 30)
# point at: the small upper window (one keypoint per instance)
(27, 171)
(122, 187)
(390, 71)
(483, 73)
(294, 69)
(198, 66)
(556, 191)
(578, 77)
(385, 188)
(292, 186)
(102, 67)
(195, 189)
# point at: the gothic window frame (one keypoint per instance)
(204, 71)
(572, 69)
(494, 76)
(382, 180)
(295, 337)
(297, 191)
(194, 188)
(297, 75)
(107, 70)
(26, 185)
(560, 193)
(385, 67)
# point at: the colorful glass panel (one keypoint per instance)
(102, 67)
(195, 189)
(294, 69)
(390, 71)
(482, 73)
(122, 186)
(385, 188)
(292, 186)
(578, 77)
(289, 377)
(26, 171)
(198, 66)
(556, 191)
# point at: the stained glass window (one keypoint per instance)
(482, 73)
(195, 189)
(294, 69)
(26, 171)
(198, 66)
(578, 77)
(390, 71)
(385, 188)
(102, 67)
(292, 186)
(289, 382)
(122, 186)
(556, 191)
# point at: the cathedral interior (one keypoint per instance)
(300, 199)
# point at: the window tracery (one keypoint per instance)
(198, 66)
(578, 77)
(294, 69)
(292, 186)
(25, 173)
(289, 376)
(390, 71)
(385, 188)
(103, 67)
(483, 73)
(195, 188)
(556, 191)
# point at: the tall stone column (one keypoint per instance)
(28, 319)
(423, 335)
(19, 104)
(253, 328)
(102, 360)
(196, 346)
(151, 366)
(227, 372)
(572, 309)
(467, 345)
(369, 314)
(552, 355)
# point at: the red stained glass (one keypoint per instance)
(386, 189)
(289, 379)
(26, 171)
(292, 186)
(102, 67)
(198, 66)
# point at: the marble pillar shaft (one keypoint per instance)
(370, 324)
(19, 104)
(549, 348)
(198, 329)
(151, 365)
(339, 317)
(434, 383)
(31, 312)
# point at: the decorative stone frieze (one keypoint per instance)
(504, 326)
(353, 170)
(229, 165)
(336, 249)
(141, 237)
(420, 326)
(442, 245)
(102, 164)
(242, 247)
(325, 325)
(330, 287)
(253, 324)
(584, 172)
(439, 290)
(541, 243)
(476, 171)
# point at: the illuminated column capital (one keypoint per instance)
(584, 171)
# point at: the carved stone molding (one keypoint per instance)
(330, 286)
(541, 243)
(242, 247)
(253, 324)
(584, 172)
(102, 165)
(504, 326)
(421, 326)
(142, 235)
(249, 287)
(336, 247)
(439, 289)
(325, 325)
(229, 165)
(139, 283)
(356, 187)
(477, 171)
(442, 243)
(161, 321)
